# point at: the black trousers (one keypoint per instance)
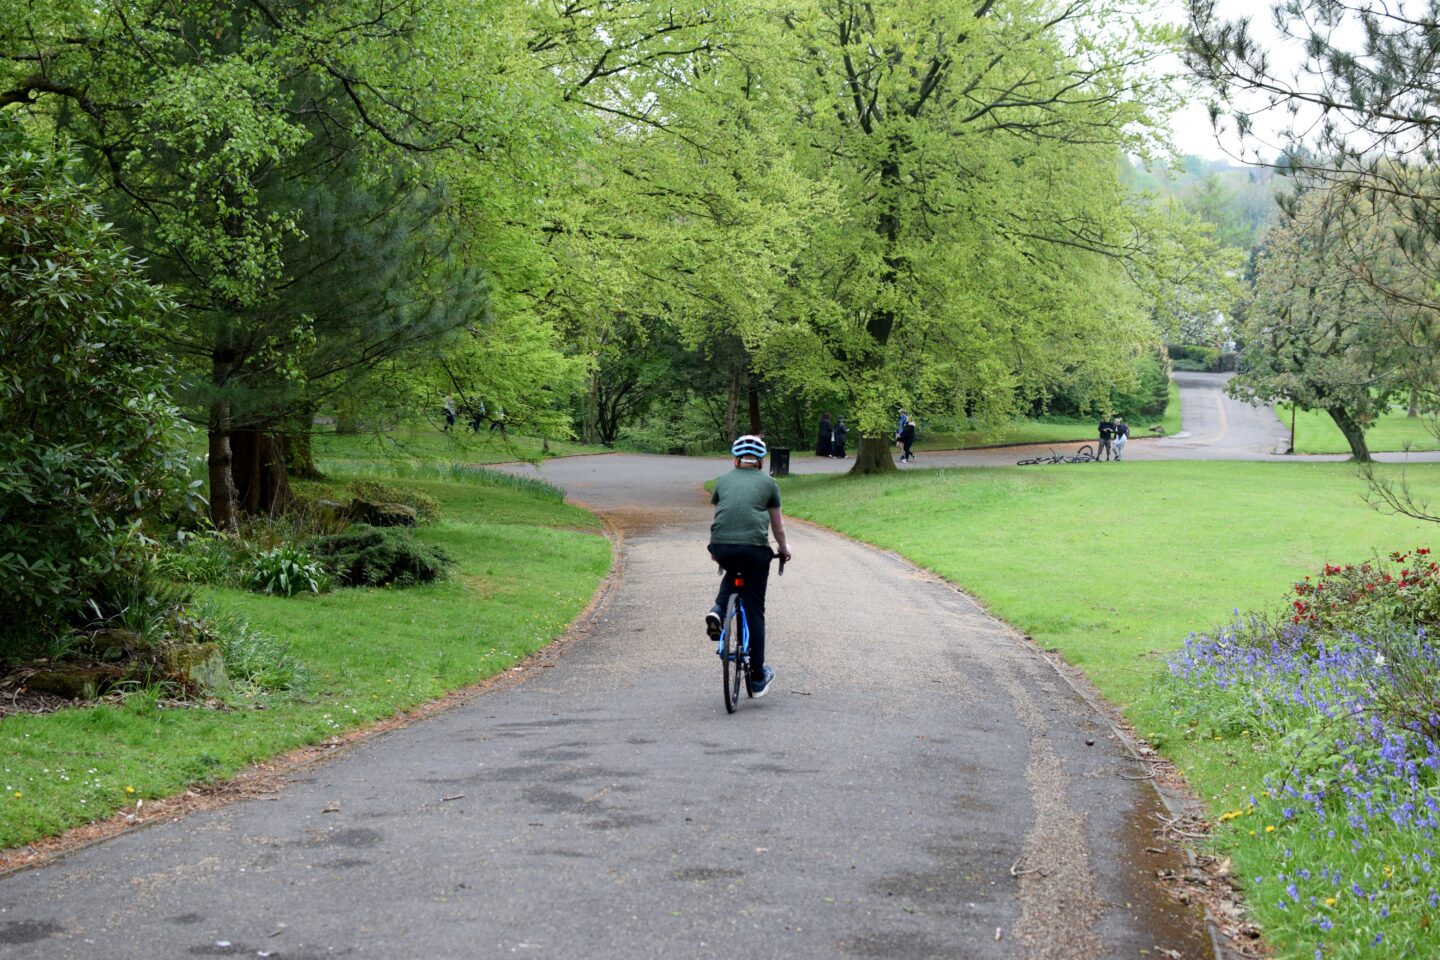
(753, 565)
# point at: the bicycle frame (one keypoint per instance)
(744, 651)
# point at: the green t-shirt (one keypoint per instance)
(743, 498)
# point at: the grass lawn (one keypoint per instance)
(1048, 430)
(422, 442)
(1114, 567)
(1315, 432)
(527, 565)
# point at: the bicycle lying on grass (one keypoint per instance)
(1085, 454)
(734, 643)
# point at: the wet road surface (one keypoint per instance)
(918, 785)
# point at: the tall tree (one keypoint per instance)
(215, 124)
(1316, 334)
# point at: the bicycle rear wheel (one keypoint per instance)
(1087, 452)
(732, 670)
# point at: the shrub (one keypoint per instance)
(1208, 358)
(208, 558)
(286, 570)
(252, 658)
(379, 556)
(89, 440)
(426, 507)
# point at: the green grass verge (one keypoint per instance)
(1315, 432)
(424, 443)
(1048, 430)
(1115, 566)
(528, 564)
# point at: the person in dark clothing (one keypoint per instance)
(907, 439)
(747, 509)
(837, 447)
(1122, 437)
(1107, 435)
(822, 443)
(448, 408)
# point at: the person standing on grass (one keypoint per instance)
(1107, 435)
(907, 439)
(448, 407)
(837, 448)
(1122, 437)
(827, 431)
(747, 509)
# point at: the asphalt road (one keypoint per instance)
(921, 784)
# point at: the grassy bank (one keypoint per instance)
(1048, 430)
(1114, 567)
(527, 564)
(422, 442)
(1315, 432)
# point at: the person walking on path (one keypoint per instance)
(837, 447)
(1107, 434)
(747, 507)
(907, 439)
(1122, 437)
(822, 443)
(448, 407)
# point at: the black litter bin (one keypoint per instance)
(779, 461)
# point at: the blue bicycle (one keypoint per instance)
(734, 643)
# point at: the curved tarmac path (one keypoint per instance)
(921, 784)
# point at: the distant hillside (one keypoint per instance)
(1238, 199)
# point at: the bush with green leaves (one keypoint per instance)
(90, 444)
(286, 570)
(427, 508)
(253, 660)
(209, 557)
(366, 556)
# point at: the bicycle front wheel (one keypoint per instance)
(731, 650)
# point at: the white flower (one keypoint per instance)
(1380, 660)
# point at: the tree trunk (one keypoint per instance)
(262, 486)
(732, 400)
(754, 391)
(222, 477)
(1414, 410)
(299, 453)
(1354, 435)
(873, 456)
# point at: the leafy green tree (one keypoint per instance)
(1315, 333)
(218, 126)
(90, 444)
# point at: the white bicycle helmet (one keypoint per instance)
(748, 446)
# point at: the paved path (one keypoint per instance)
(913, 754)
(1214, 426)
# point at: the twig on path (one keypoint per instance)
(803, 693)
(458, 796)
(1147, 776)
(1014, 872)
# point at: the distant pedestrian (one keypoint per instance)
(837, 444)
(448, 408)
(907, 439)
(1122, 437)
(1107, 436)
(827, 432)
(498, 421)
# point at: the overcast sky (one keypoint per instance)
(1192, 127)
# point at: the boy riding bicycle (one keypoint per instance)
(747, 505)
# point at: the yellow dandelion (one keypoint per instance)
(1270, 828)
(1329, 901)
(129, 789)
(1389, 871)
(18, 794)
(1252, 833)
